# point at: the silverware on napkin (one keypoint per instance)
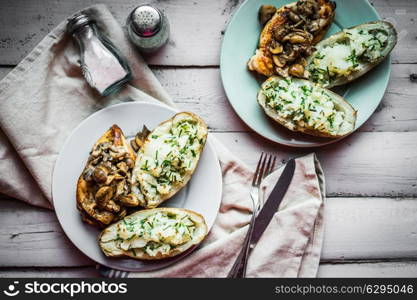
(262, 220)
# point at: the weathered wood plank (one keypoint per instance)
(83, 272)
(364, 164)
(196, 33)
(368, 269)
(371, 269)
(33, 237)
(200, 90)
(356, 228)
(369, 228)
(23, 25)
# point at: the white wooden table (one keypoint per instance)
(371, 212)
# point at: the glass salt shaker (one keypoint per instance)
(102, 64)
(148, 28)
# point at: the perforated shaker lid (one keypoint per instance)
(146, 20)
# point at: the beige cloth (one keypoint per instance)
(45, 97)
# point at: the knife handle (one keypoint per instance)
(239, 267)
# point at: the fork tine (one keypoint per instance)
(257, 170)
(271, 169)
(273, 164)
(262, 170)
(268, 167)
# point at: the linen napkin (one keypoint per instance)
(289, 247)
(46, 96)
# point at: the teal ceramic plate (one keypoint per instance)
(241, 86)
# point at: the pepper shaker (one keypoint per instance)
(148, 28)
(102, 64)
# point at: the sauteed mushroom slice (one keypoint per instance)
(307, 7)
(289, 55)
(88, 174)
(135, 147)
(109, 180)
(104, 217)
(111, 206)
(265, 13)
(279, 61)
(302, 61)
(294, 17)
(105, 145)
(276, 47)
(129, 200)
(279, 33)
(122, 166)
(120, 188)
(96, 152)
(117, 153)
(130, 163)
(298, 37)
(118, 176)
(100, 149)
(296, 70)
(122, 213)
(141, 136)
(103, 196)
(90, 211)
(96, 161)
(316, 25)
(100, 174)
(282, 71)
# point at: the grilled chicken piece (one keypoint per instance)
(289, 36)
(103, 187)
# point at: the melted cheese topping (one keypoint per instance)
(172, 152)
(157, 233)
(354, 48)
(305, 105)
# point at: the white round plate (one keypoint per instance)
(202, 194)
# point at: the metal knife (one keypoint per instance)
(265, 215)
(272, 203)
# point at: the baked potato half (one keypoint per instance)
(167, 158)
(103, 189)
(153, 234)
(350, 53)
(289, 36)
(306, 107)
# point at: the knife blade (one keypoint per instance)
(272, 203)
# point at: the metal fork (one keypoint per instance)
(266, 165)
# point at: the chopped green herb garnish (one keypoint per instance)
(145, 166)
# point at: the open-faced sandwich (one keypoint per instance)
(301, 105)
(289, 36)
(167, 158)
(350, 53)
(103, 189)
(153, 234)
